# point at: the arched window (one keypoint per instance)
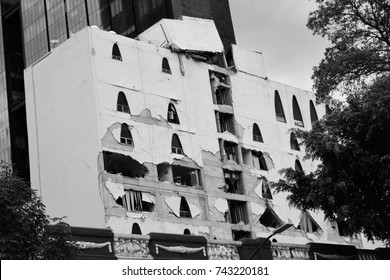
(136, 229)
(266, 190)
(122, 105)
(185, 211)
(257, 134)
(176, 145)
(298, 166)
(293, 142)
(187, 232)
(313, 113)
(297, 113)
(279, 108)
(116, 53)
(165, 66)
(126, 137)
(172, 114)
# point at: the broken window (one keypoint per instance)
(230, 150)
(185, 211)
(122, 105)
(257, 134)
(270, 219)
(240, 234)
(259, 160)
(136, 229)
(164, 172)
(279, 108)
(187, 232)
(220, 89)
(308, 224)
(225, 122)
(185, 176)
(116, 53)
(176, 147)
(237, 212)
(298, 120)
(172, 114)
(137, 201)
(165, 66)
(115, 163)
(232, 181)
(266, 190)
(298, 166)
(293, 142)
(313, 113)
(126, 137)
(343, 229)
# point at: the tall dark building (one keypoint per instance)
(30, 29)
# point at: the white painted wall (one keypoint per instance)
(63, 133)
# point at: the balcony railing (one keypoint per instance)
(290, 252)
(132, 246)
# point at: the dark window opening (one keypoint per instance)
(240, 234)
(115, 163)
(233, 182)
(225, 122)
(172, 114)
(176, 147)
(220, 89)
(266, 190)
(308, 224)
(298, 166)
(164, 172)
(230, 150)
(294, 142)
(328, 111)
(136, 229)
(116, 53)
(126, 137)
(259, 160)
(313, 113)
(187, 232)
(343, 229)
(122, 105)
(136, 201)
(257, 134)
(279, 108)
(269, 219)
(185, 211)
(298, 120)
(165, 66)
(186, 176)
(237, 212)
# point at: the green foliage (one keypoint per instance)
(352, 183)
(26, 231)
(359, 31)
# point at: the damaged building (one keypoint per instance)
(170, 142)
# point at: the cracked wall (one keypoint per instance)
(90, 89)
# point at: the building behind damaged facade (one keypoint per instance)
(170, 144)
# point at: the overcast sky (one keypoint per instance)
(277, 28)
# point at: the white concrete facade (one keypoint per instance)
(84, 169)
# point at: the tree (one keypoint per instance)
(26, 232)
(359, 31)
(352, 183)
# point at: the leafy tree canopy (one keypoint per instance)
(359, 31)
(26, 232)
(352, 183)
